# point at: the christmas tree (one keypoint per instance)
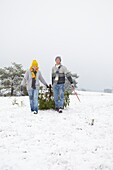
(46, 99)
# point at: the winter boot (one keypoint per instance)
(60, 110)
(35, 112)
(57, 109)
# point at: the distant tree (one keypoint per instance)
(68, 86)
(74, 77)
(11, 78)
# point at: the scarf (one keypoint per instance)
(33, 72)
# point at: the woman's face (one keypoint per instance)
(34, 68)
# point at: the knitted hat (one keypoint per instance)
(34, 63)
(58, 57)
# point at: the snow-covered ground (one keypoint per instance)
(52, 141)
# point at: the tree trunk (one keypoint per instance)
(12, 89)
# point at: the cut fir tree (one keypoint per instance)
(46, 99)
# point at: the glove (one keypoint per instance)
(47, 86)
(21, 88)
(72, 85)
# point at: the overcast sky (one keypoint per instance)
(81, 31)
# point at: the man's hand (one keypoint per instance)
(72, 85)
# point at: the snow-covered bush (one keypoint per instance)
(11, 78)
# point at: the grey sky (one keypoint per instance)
(81, 31)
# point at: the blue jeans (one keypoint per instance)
(58, 91)
(33, 97)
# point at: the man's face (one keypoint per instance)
(58, 61)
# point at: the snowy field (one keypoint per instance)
(53, 141)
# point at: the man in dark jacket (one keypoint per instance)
(58, 80)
